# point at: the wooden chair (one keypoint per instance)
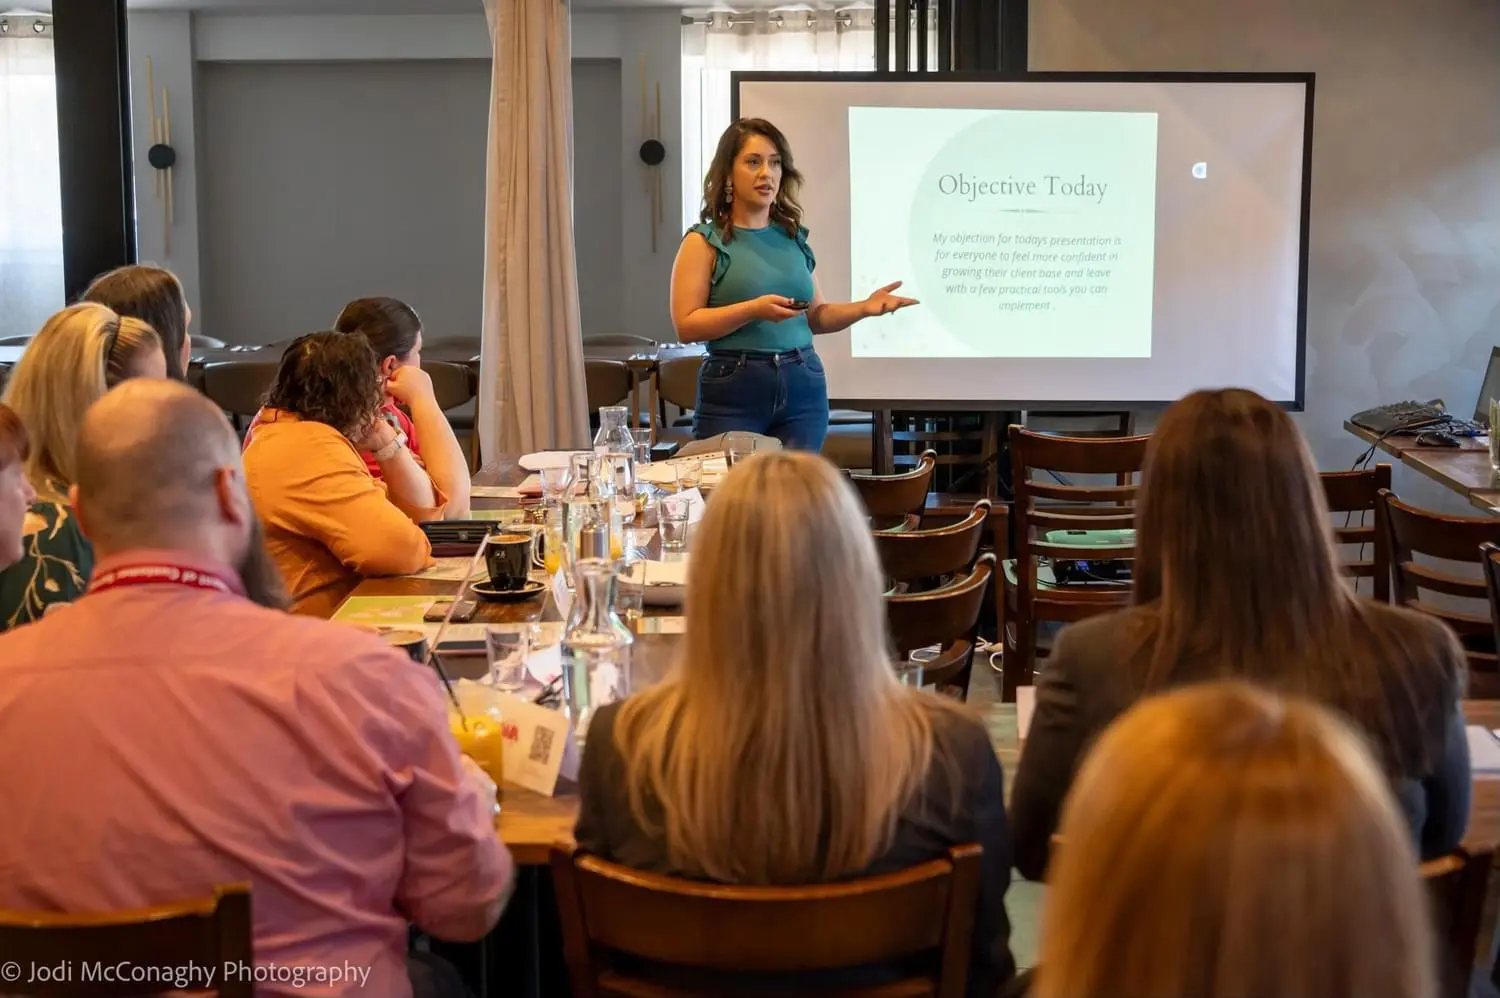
(641, 343)
(910, 555)
(625, 932)
(608, 382)
(677, 385)
(947, 617)
(203, 933)
(889, 499)
(1456, 888)
(1410, 532)
(1357, 493)
(1042, 507)
(457, 350)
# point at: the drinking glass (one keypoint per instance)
(737, 447)
(1494, 435)
(508, 647)
(630, 605)
(909, 673)
(554, 540)
(673, 522)
(579, 466)
(689, 473)
(555, 482)
(642, 453)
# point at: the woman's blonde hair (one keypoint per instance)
(1222, 841)
(782, 749)
(79, 354)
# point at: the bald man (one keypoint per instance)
(169, 734)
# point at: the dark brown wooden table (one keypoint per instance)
(1464, 469)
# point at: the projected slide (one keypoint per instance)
(1024, 233)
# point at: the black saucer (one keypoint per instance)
(486, 590)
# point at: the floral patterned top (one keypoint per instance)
(54, 567)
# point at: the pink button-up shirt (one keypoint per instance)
(161, 740)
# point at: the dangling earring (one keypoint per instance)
(729, 194)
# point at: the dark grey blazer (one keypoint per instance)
(940, 817)
(1082, 687)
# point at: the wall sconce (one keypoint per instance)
(161, 155)
(652, 152)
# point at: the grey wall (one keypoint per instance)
(1404, 273)
(597, 190)
(323, 182)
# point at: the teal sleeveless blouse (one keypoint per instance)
(761, 262)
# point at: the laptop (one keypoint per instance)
(1488, 389)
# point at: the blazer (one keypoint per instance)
(939, 817)
(1082, 687)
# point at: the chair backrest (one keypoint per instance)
(1411, 532)
(890, 498)
(1041, 507)
(620, 340)
(456, 350)
(16, 341)
(609, 911)
(908, 555)
(608, 382)
(206, 342)
(677, 380)
(240, 386)
(453, 384)
(206, 933)
(1357, 493)
(940, 616)
(1456, 889)
(1489, 554)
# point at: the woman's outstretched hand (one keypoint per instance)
(883, 302)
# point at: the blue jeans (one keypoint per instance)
(782, 395)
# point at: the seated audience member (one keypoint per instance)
(16, 493)
(212, 739)
(80, 353)
(395, 334)
(328, 521)
(782, 749)
(155, 297)
(1237, 576)
(1224, 842)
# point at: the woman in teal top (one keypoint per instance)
(744, 283)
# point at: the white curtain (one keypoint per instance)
(31, 260)
(532, 393)
(788, 40)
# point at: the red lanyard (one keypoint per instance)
(155, 575)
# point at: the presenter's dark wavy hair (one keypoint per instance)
(785, 211)
(331, 378)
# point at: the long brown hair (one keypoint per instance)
(785, 210)
(1236, 563)
(154, 296)
(782, 749)
(1221, 841)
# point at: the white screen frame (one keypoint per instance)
(1296, 403)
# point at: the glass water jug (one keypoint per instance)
(596, 646)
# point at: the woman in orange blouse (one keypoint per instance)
(328, 521)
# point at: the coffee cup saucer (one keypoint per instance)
(488, 591)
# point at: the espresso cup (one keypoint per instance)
(508, 557)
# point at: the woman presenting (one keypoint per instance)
(743, 283)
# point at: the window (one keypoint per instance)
(31, 257)
(715, 46)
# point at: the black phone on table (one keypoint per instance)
(462, 614)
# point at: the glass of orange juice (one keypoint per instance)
(480, 731)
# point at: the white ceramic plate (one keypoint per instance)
(547, 459)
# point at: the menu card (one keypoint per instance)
(538, 745)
